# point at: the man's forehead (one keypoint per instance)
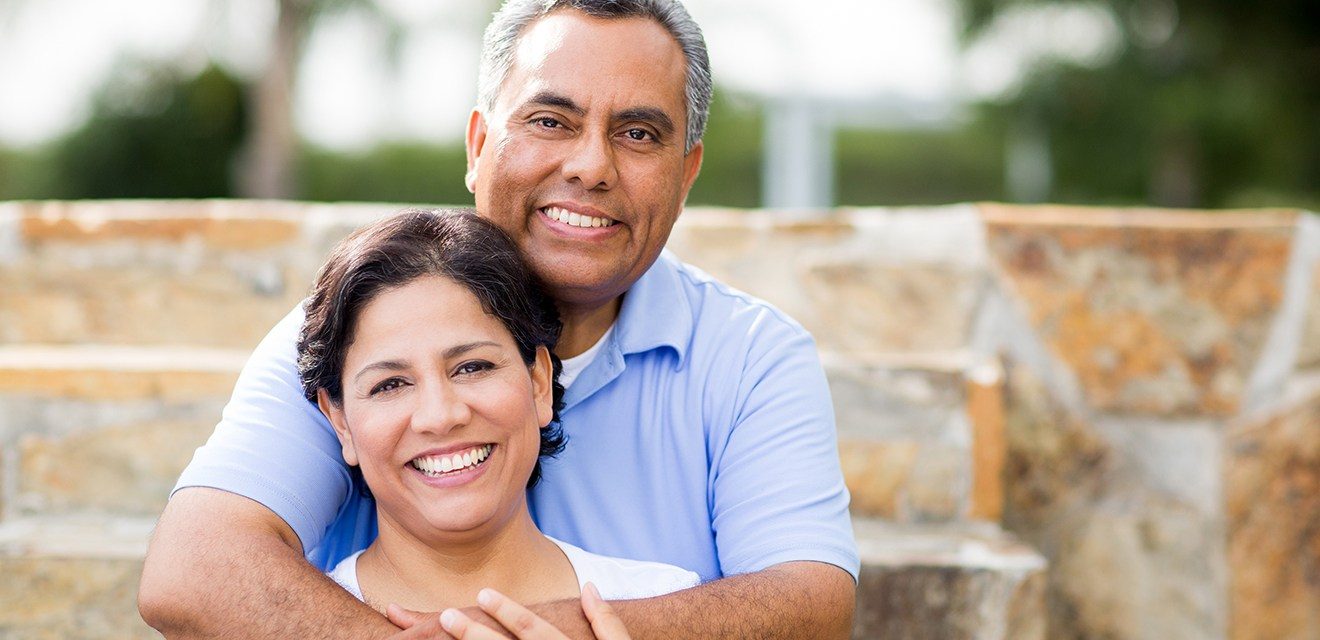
(570, 53)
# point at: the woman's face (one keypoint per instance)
(440, 411)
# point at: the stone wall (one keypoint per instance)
(1135, 394)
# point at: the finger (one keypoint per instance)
(458, 624)
(605, 623)
(523, 624)
(405, 618)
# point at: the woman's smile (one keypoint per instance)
(453, 469)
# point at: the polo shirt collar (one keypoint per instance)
(655, 311)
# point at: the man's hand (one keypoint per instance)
(807, 600)
(508, 619)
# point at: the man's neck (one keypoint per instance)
(583, 326)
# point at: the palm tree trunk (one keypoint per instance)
(266, 169)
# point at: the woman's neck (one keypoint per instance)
(517, 560)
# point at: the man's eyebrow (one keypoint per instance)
(549, 99)
(400, 365)
(652, 115)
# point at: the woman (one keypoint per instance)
(427, 343)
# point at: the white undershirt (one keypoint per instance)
(615, 578)
(573, 366)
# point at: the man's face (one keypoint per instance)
(581, 160)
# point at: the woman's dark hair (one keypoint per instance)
(411, 244)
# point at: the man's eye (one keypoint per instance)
(640, 135)
(386, 386)
(548, 123)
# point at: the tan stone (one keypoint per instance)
(126, 470)
(1130, 556)
(985, 411)
(876, 473)
(949, 582)
(92, 223)
(869, 307)
(60, 598)
(92, 373)
(1272, 482)
(1156, 314)
(1309, 355)
(134, 304)
(938, 484)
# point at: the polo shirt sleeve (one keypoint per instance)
(777, 491)
(272, 445)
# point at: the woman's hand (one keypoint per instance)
(525, 625)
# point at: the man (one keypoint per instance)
(699, 423)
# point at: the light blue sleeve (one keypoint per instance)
(777, 493)
(274, 446)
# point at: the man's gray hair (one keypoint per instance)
(506, 27)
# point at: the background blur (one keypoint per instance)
(1207, 104)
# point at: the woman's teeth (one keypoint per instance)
(576, 219)
(437, 465)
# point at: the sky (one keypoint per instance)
(350, 94)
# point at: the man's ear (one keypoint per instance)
(543, 393)
(691, 167)
(335, 414)
(474, 142)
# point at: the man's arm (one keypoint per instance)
(807, 600)
(223, 566)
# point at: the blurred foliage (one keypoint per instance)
(1220, 110)
(396, 172)
(1207, 103)
(153, 134)
(918, 167)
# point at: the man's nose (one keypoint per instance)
(591, 162)
(441, 408)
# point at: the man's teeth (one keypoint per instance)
(576, 219)
(436, 465)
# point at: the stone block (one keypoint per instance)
(904, 435)
(76, 579)
(1309, 355)
(958, 583)
(877, 473)
(1157, 313)
(874, 280)
(1272, 485)
(105, 430)
(126, 470)
(870, 307)
(1126, 511)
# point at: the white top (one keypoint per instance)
(616, 578)
(573, 366)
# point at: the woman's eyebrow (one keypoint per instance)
(399, 365)
(383, 365)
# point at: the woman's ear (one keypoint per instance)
(543, 392)
(335, 413)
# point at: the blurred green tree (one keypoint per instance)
(153, 133)
(1206, 103)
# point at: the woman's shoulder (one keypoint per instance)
(624, 579)
(345, 573)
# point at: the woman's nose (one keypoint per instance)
(440, 409)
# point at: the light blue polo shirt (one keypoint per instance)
(702, 435)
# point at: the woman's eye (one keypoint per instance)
(475, 366)
(387, 385)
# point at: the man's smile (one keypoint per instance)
(574, 219)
